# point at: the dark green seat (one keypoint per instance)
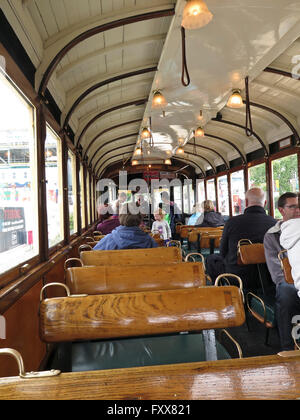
(263, 306)
(133, 352)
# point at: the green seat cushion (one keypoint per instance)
(134, 352)
(257, 307)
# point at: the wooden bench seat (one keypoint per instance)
(116, 279)
(261, 302)
(132, 256)
(254, 378)
(100, 328)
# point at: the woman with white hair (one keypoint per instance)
(211, 217)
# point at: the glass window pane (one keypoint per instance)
(83, 221)
(200, 191)
(257, 178)
(88, 197)
(284, 177)
(54, 188)
(237, 192)
(72, 192)
(188, 196)
(211, 191)
(223, 198)
(18, 189)
(177, 196)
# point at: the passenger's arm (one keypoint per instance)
(271, 253)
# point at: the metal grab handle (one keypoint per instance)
(22, 373)
(54, 284)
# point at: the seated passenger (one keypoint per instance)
(161, 225)
(287, 299)
(211, 217)
(290, 240)
(108, 222)
(253, 225)
(197, 216)
(128, 235)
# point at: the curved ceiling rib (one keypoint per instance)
(279, 115)
(132, 144)
(243, 128)
(177, 158)
(114, 108)
(228, 142)
(211, 150)
(94, 31)
(101, 84)
(107, 131)
(71, 67)
(282, 73)
(112, 141)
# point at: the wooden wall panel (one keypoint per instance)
(22, 333)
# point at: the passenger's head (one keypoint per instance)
(165, 197)
(159, 214)
(122, 197)
(255, 197)
(105, 211)
(197, 208)
(288, 206)
(127, 218)
(208, 205)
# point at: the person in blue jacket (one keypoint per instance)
(128, 235)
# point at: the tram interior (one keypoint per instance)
(93, 89)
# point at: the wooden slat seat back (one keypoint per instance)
(186, 231)
(205, 238)
(140, 313)
(118, 279)
(132, 256)
(251, 253)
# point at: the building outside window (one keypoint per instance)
(18, 194)
(54, 188)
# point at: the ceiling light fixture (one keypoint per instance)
(145, 134)
(196, 14)
(138, 152)
(158, 101)
(168, 162)
(180, 151)
(235, 100)
(134, 163)
(199, 132)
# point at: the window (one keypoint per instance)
(82, 211)
(188, 196)
(223, 199)
(54, 187)
(72, 192)
(88, 197)
(211, 191)
(200, 191)
(237, 192)
(257, 178)
(285, 178)
(177, 191)
(18, 196)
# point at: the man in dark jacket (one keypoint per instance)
(253, 225)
